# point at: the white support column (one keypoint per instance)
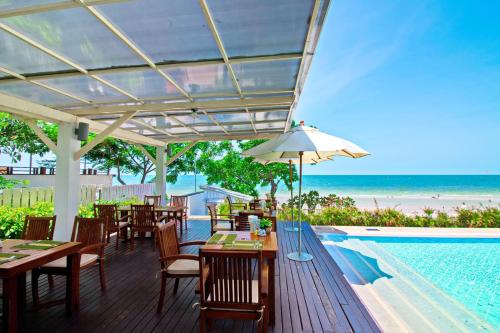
(67, 191)
(161, 173)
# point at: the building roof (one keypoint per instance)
(177, 70)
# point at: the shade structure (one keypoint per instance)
(306, 145)
(189, 70)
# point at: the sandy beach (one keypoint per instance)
(414, 204)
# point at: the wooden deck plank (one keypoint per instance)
(310, 297)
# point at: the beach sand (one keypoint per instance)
(414, 204)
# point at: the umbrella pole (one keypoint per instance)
(300, 256)
(293, 227)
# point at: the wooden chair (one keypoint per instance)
(218, 224)
(227, 289)
(91, 232)
(144, 219)
(180, 201)
(242, 223)
(173, 263)
(154, 200)
(40, 228)
(114, 223)
(235, 207)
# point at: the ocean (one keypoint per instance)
(370, 185)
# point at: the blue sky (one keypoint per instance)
(415, 83)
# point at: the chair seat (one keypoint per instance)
(255, 292)
(122, 224)
(184, 266)
(222, 226)
(61, 263)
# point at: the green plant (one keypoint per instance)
(265, 223)
(11, 183)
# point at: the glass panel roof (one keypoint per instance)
(263, 116)
(239, 127)
(231, 117)
(22, 58)
(260, 27)
(34, 93)
(173, 30)
(76, 34)
(85, 87)
(143, 84)
(16, 4)
(270, 75)
(270, 125)
(202, 79)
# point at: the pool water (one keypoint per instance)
(456, 277)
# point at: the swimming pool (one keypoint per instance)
(423, 284)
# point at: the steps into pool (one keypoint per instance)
(399, 298)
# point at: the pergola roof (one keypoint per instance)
(176, 70)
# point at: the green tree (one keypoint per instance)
(18, 138)
(234, 172)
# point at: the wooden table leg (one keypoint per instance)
(21, 292)
(272, 305)
(73, 283)
(10, 304)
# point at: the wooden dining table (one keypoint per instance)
(13, 274)
(269, 254)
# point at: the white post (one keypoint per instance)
(67, 191)
(161, 174)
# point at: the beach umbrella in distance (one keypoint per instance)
(307, 145)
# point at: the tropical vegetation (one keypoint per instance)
(342, 211)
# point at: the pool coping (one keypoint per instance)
(409, 231)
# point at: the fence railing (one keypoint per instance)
(126, 191)
(16, 170)
(27, 197)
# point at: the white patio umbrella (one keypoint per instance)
(307, 145)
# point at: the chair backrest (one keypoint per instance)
(154, 200)
(143, 216)
(167, 241)
(89, 230)
(109, 212)
(178, 200)
(38, 228)
(212, 210)
(242, 223)
(235, 207)
(226, 279)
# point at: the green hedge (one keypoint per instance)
(12, 219)
(464, 218)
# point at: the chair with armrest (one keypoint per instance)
(228, 289)
(109, 213)
(217, 223)
(173, 263)
(235, 207)
(91, 232)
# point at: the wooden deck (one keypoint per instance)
(310, 297)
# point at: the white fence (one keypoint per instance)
(126, 191)
(27, 197)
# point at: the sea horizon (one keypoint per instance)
(365, 185)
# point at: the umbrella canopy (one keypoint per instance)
(303, 144)
(314, 145)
